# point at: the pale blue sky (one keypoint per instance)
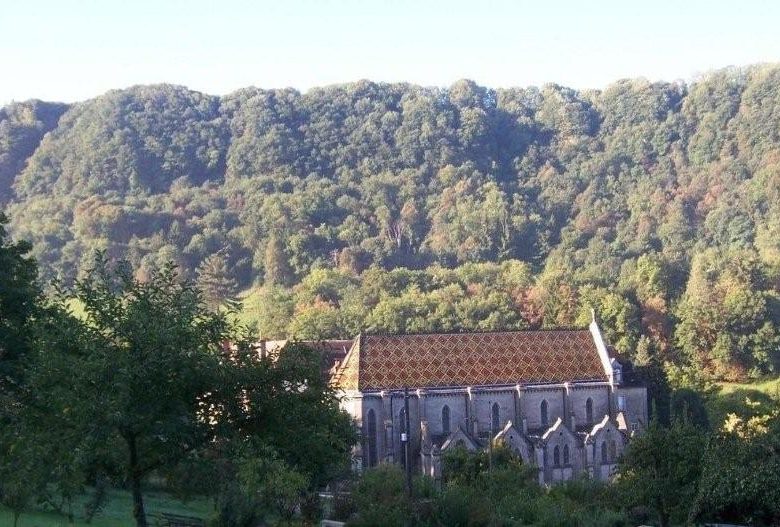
(70, 50)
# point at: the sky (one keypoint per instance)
(69, 50)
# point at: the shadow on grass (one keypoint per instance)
(116, 513)
(744, 400)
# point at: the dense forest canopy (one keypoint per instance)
(400, 208)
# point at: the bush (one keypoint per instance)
(500, 482)
(520, 507)
(464, 507)
(234, 509)
(380, 499)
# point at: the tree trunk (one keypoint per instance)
(16, 517)
(135, 482)
(663, 518)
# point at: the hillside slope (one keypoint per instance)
(657, 203)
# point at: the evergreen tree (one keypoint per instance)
(277, 265)
(215, 280)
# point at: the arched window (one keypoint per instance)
(544, 413)
(371, 438)
(557, 456)
(445, 420)
(565, 454)
(496, 415)
(545, 461)
(612, 450)
(589, 411)
(604, 452)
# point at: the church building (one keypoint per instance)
(557, 398)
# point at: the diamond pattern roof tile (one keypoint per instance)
(386, 362)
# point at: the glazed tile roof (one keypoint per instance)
(386, 362)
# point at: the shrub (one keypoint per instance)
(463, 507)
(380, 498)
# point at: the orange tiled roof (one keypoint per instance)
(386, 362)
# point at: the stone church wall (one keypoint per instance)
(474, 412)
(578, 397)
(531, 403)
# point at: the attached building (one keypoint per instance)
(556, 397)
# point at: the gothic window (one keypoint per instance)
(621, 402)
(565, 454)
(612, 450)
(496, 416)
(544, 413)
(589, 411)
(445, 420)
(544, 457)
(371, 438)
(604, 452)
(557, 456)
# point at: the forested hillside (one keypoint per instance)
(401, 208)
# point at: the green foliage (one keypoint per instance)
(269, 309)
(726, 317)
(153, 392)
(274, 484)
(631, 201)
(506, 495)
(143, 367)
(661, 470)
(740, 481)
(22, 126)
(380, 498)
(22, 474)
(288, 406)
(463, 507)
(215, 280)
(460, 466)
(19, 296)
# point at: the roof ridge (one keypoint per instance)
(474, 331)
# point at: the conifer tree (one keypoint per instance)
(277, 267)
(215, 279)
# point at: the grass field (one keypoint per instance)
(744, 399)
(769, 387)
(117, 513)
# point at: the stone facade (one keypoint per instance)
(563, 426)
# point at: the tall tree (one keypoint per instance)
(661, 468)
(215, 279)
(19, 294)
(289, 436)
(277, 267)
(22, 475)
(148, 373)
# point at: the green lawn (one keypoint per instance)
(744, 399)
(770, 387)
(117, 513)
